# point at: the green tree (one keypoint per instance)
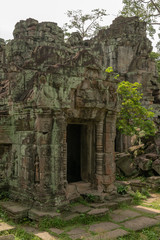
(147, 10)
(133, 118)
(86, 24)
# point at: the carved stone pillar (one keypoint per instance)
(109, 149)
(62, 132)
(99, 148)
(64, 167)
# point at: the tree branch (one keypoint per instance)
(155, 23)
(155, 5)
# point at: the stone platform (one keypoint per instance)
(133, 219)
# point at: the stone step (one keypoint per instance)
(5, 227)
(109, 205)
(15, 210)
(36, 214)
(7, 237)
(123, 200)
(83, 187)
(98, 212)
(71, 192)
(18, 211)
(41, 234)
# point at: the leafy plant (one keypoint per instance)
(145, 192)
(90, 198)
(120, 177)
(48, 222)
(87, 219)
(133, 118)
(20, 234)
(4, 195)
(110, 71)
(121, 189)
(138, 197)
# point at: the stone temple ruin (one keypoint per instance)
(58, 107)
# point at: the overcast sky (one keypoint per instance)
(12, 11)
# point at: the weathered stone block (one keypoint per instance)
(43, 124)
(156, 166)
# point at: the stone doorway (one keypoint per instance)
(80, 152)
(74, 153)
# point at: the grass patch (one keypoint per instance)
(152, 233)
(121, 189)
(78, 201)
(21, 234)
(155, 205)
(83, 219)
(138, 198)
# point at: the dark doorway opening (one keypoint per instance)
(74, 152)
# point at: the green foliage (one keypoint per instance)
(86, 24)
(138, 197)
(133, 118)
(90, 198)
(3, 215)
(120, 177)
(145, 192)
(146, 234)
(20, 234)
(121, 189)
(84, 219)
(147, 11)
(154, 204)
(48, 222)
(150, 234)
(110, 70)
(4, 195)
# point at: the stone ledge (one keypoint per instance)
(36, 214)
(7, 237)
(15, 210)
(98, 211)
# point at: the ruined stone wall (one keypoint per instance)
(126, 48)
(47, 83)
